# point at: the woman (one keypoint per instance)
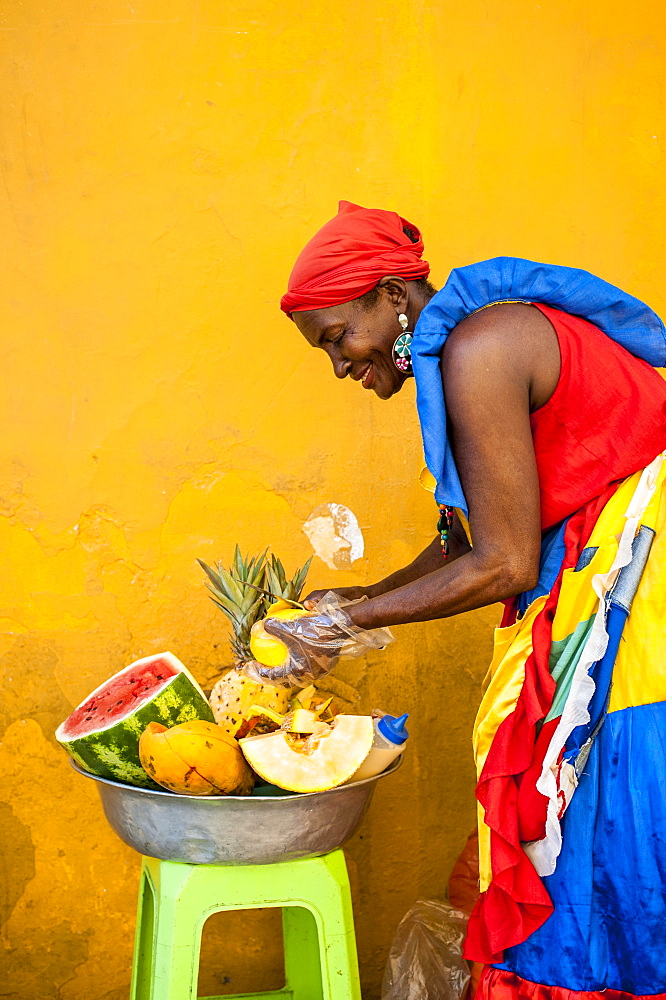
(543, 437)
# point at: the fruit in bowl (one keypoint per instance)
(195, 758)
(102, 733)
(232, 590)
(314, 761)
(266, 648)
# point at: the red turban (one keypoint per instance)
(350, 255)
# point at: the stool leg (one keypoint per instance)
(339, 963)
(302, 965)
(142, 967)
(177, 935)
(335, 919)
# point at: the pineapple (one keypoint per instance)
(242, 605)
(235, 693)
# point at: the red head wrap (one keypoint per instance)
(350, 255)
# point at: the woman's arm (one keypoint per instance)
(497, 366)
(426, 562)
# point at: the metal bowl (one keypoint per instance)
(259, 829)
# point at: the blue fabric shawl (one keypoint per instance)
(627, 320)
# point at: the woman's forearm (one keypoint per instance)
(471, 581)
(426, 562)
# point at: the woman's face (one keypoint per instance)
(359, 341)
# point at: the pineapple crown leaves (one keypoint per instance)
(242, 605)
(277, 582)
(239, 603)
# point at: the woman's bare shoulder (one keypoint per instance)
(514, 339)
(507, 320)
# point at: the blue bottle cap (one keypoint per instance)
(393, 729)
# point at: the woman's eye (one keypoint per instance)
(338, 340)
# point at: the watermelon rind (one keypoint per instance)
(113, 751)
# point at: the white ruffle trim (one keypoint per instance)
(558, 780)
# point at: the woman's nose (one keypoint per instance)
(341, 366)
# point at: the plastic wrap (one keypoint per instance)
(316, 643)
(425, 961)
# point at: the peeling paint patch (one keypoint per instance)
(335, 535)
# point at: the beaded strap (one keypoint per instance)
(444, 526)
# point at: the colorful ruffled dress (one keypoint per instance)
(570, 738)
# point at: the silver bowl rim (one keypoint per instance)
(394, 766)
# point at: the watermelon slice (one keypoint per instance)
(102, 734)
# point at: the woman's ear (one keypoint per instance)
(396, 289)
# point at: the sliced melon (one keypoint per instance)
(334, 754)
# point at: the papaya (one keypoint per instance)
(195, 758)
(325, 759)
(267, 649)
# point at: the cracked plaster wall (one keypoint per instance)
(162, 164)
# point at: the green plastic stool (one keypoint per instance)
(319, 943)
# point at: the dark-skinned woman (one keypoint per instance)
(543, 422)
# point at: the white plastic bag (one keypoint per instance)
(425, 961)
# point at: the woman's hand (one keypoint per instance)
(316, 642)
(346, 593)
(313, 643)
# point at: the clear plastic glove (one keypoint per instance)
(316, 643)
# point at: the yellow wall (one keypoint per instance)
(162, 164)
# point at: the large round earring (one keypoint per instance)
(402, 355)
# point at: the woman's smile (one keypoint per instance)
(367, 376)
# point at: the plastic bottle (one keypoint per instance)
(389, 742)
